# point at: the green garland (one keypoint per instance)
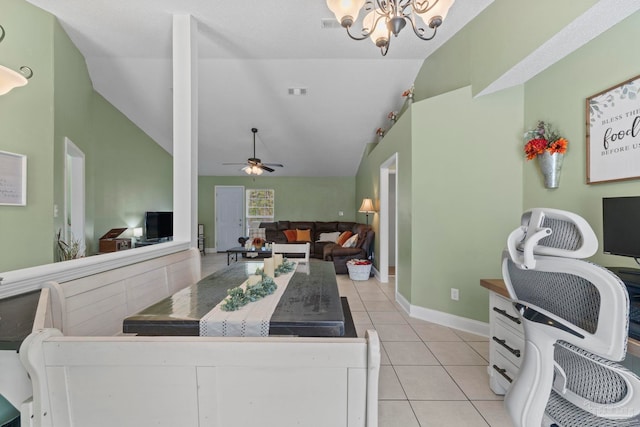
(238, 297)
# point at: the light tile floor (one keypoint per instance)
(431, 375)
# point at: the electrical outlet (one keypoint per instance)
(455, 294)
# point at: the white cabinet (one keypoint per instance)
(506, 347)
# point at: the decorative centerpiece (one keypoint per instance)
(359, 269)
(545, 144)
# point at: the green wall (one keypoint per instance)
(26, 127)
(469, 179)
(558, 95)
(126, 172)
(297, 198)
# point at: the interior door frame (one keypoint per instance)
(74, 193)
(215, 213)
(385, 170)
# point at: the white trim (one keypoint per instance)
(30, 279)
(442, 318)
(384, 218)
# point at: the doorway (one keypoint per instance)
(388, 219)
(229, 216)
(74, 196)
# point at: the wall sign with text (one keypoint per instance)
(613, 133)
(13, 179)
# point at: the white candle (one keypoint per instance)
(278, 260)
(269, 268)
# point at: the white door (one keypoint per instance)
(229, 216)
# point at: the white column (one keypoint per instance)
(185, 128)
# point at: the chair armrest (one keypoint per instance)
(339, 251)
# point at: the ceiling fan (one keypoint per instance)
(254, 166)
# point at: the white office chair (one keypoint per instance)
(575, 318)
(292, 248)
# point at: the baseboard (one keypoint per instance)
(442, 318)
(376, 273)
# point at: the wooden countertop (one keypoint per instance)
(498, 286)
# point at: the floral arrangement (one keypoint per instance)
(358, 262)
(544, 138)
(408, 93)
(238, 297)
(393, 116)
(380, 132)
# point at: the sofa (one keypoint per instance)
(276, 232)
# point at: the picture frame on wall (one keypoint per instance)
(613, 133)
(13, 179)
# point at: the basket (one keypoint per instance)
(359, 272)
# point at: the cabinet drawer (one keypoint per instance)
(502, 310)
(509, 344)
(503, 372)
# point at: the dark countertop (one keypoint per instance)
(310, 306)
(16, 319)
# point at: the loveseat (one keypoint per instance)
(276, 232)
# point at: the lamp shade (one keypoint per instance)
(10, 79)
(345, 8)
(441, 8)
(376, 24)
(366, 206)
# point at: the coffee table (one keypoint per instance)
(310, 306)
(242, 250)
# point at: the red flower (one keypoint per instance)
(535, 147)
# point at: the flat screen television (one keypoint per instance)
(621, 226)
(158, 225)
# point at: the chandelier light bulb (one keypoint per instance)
(437, 13)
(376, 25)
(346, 11)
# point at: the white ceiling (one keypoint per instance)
(250, 54)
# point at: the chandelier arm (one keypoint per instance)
(417, 31)
(364, 36)
(430, 5)
(384, 5)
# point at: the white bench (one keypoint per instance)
(130, 381)
(96, 305)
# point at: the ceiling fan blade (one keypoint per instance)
(274, 165)
(234, 164)
(267, 168)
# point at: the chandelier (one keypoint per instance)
(385, 17)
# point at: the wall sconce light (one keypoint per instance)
(10, 79)
(366, 208)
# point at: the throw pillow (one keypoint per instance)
(291, 235)
(344, 237)
(303, 235)
(351, 242)
(329, 237)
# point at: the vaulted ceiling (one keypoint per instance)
(250, 54)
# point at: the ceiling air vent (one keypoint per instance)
(329, 23)
(297, 91)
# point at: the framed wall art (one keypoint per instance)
(613, 133)
(13, 179)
